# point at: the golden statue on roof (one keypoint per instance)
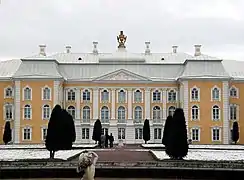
(121, 40)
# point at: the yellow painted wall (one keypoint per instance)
(205, 123)
(36, 122)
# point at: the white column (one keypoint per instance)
(55, 93)
(113, 104)
(17, 113)
(95, 103)
(164, 104)
(64, 97)
(147, 103)
(77, 103)
(226, 129)
(130, 94)
(185, 104)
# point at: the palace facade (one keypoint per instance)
(122, 89)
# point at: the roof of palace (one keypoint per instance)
(121, 65)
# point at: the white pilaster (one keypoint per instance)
(164, 104)
(225, 99)
(185, 104)
(17, 109)
(64, 97)
(113, 104)
(95, 108)
(77, 103)
(147, 103)
(55, 93)
(130, 94)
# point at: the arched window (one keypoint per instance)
(194, 94)
(171, 96)
(71, 111)
(46, 111)
(105, 96)
(71, 95)
(27, 111)
(233, 92)
(171, 111)
(137, 96)
(8, 92)
(156, 96)
(156, 112)
(215, 94)
(8, 111)
(27, 93)
(104, 113)
(233, 112)
(121, 112)
(216, 112)
(86, 95)
(195, 112)
(138, 112)
(121, 96)
(86, 113)
(46, 93)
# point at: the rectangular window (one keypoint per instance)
(85, 133)
(44, 133)
(157, 133)
(121, 133)
(215, 134)
(104, 131)
(138, 133)
(27, 134)
(195, 134)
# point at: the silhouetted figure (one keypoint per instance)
(103, 138)
(111, 140)
(106, 139)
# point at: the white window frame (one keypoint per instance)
(199, 134)
(198, 91)
(237, 112)
(133, 96)
(101, 94)
(237, 91)
(68, 110)
(220, 94)
(121, 132)
(212, 114)
(84, 129)
(124, 113)
(23, 132)
(86, 113)
(118, 95)
(134, 113)
(67, 94)
(198, 109)
(43, 112)
(24, 112)
(109, 115)
(160, 95)
(156, 129)
(212, 134)
(42, 132)
(43, 93)
(176, 96)
(4, 110)
(84, 91)
(160, 112)
(138, 133)
(5, 92)
(23, 93)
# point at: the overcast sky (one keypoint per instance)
(216, 24)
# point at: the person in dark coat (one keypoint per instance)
(106, 139)
(111, 140)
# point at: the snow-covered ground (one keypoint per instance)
(35, 146)
(18, 154)
(198, 146)
(206, 155)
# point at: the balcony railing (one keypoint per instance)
(158, 121)
(104, 120)
(85, 121)
(121, 121)
(138, 121)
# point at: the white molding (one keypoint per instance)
(109, 112)
(142, 94)
(42, 132)
(5, 94)
(160, 111)
(23, 93)
(169, 108)
(117, 95)
(71, 105)
(220, 94)
(237, 111)
(147, 104)
(109, 95)
(219, 113)
(82, 111)
(50, 94)
(142, 114)
(113, 107)
(77, 107)
(164, 98)
(23, 130)
(130, 100)
(83, 91)
(117, 111)
(4, 111)
(55, 93)
(43, 112)
(226, 124)
(186, 103)
(220, 133)
(198, 91)
(95, 102)
(17, 113)
(198, 118)
(237, 91)
(68, 91)
(153, 91)
(24, 112)
(176, 95)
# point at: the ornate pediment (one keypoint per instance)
(122, 75)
